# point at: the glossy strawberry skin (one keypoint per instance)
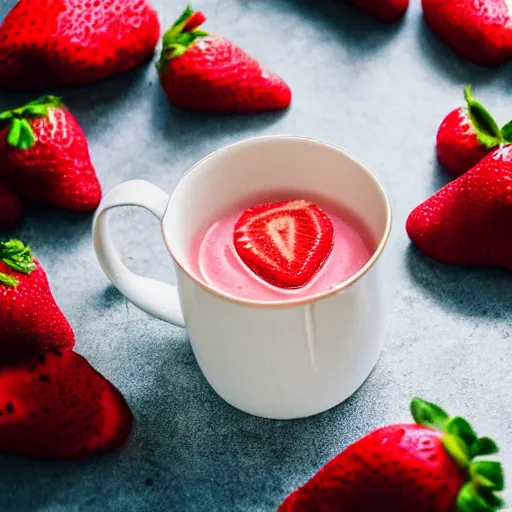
(57, 170)
(401, 468)
(60, 43)
(384, 10)
(477, 30)
(468, 221)
(458, 148)
(54, 405)
(11, 208)
(30, 319)
(214, 75)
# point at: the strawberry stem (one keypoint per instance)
(21, 135)
(18, 256)
(487, 130)
(484, 477)
(181, 35)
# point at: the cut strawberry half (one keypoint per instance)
(284, 243)
(55, 405)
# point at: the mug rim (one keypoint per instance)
(347, 283)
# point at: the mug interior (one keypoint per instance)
(265, 166)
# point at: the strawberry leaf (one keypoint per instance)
(492, 499)
(487, 131)
(487, 141)
(37, 110)
(21, 135)
(6, 116)
(428, 414)
(27, 137)
(457, 449)
(181, 35)
(483, 446)
(460, 427)
(8, 280)
(184, 16)
(13, 138)
(175, 50)
(491, 473)
(17, 255)
(468, 500)
(506, 132)
(177, 27)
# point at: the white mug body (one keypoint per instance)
(279, 359)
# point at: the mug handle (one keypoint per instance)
(159, 299)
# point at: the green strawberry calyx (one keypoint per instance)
(484, 478)
(487, 130)
(18, 256)
(21, 134)
(182, 35)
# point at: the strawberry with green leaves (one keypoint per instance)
(467, 134)
(44, 156)
(433, 465)
(205, 72)
(30, 319)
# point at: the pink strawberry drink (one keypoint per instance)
(280, 251)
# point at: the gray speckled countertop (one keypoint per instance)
(380, 92)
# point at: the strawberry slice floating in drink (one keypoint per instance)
(284, 243)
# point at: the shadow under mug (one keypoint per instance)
(280, 359)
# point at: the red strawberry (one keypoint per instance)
(206, 72)
(467, 134)
(423, 467)
(29, 317)
(468, 221)
(384, 10)
(11, 208)
(477, 30)
(44, 156)
(56, 43)
(284, 243)
(55, 405)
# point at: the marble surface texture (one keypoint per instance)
(380, 92)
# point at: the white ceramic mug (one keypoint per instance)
(282, 359)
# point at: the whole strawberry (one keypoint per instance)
(11, 208)
(55, 43)
(429, 466)
(384, 10)
(467, 134)
(45, 158)
(477, 30)
(30, 320)
(206, 72)
(54, 405)
(468, 221)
